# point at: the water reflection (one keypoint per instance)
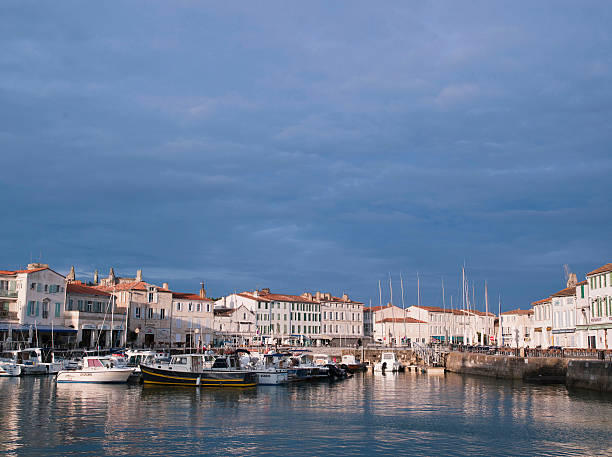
(405, 413)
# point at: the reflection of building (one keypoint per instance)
(32, 306)
(89, 311)
(192, 319)
(234, 325)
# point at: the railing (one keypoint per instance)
(8, 314)
(554, 352)
(8, 293)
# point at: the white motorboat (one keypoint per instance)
(36, 361)
(96, 370)
(270, 369)
(9, 368)
(388, 362)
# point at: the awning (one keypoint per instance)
(56, 329)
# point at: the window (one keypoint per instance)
(89, 306)
(150, 313)
(150, 297)
(198, 307)
(190, 307)
(80, 305)
(38, 287)
(45, 310)
(162, 313)
(178, 306)
(208, 307)
(178, 323)
(57, 309)
(137, 312)
(33, 286)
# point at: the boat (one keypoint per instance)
(351, 364)
(187, 370)
(270, 369)
(9, 368)
(96, 370)
(388, 362)
(36, 361)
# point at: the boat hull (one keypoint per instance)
(112, 376)
(272, 378)
(207, 378)
(40, 368)
(8, 369)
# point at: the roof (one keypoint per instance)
(582, 283)
(188, 296)
(224, 312)
(607, 267)
(340, 300)
(85, 290)
(134, 285)
(407, 320)
(278, 297)
(437, 309)
(541, 302)
(14, 272)
(373, 309)
(521, 312)
(567, 292)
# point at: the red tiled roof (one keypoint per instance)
(14, 272)
(373, 309)
(607, 267)
(437, 309)
(540, 302)
(567, 292)
(407, 320)
(278, 297)
(522, 312)
(188, 296)
(582, 283)
(85, 290)
(134, 285)
(340, 300)
(223, 312)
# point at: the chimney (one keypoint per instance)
(96, 278)
(572, 280)
(138, 275)
(318, 295)
(34, 266)
(165, 285)
(255, 293)
(265, 291)
(111, 275)
(202, 290)
(345, 297)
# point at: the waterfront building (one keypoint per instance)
(400, 331)
(563, 305)
(32, 306)
(541, 335)
(92, 313)
(280, 318)
(480, 328)
(368, 322)
(235, 326)
(516, 327)
(341, 319)
(149, 308)
(599, 328)
(191, 319)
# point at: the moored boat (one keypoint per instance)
(187, 370)
(9, 368)
(96, 370)
(352, 365)
(388, 362)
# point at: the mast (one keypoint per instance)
(463, 302)
(51, 333)
(379, 294)
(444, 306)
(499, 321)
(486, 308)
(403, 305)
(112, 317)
(392, 309)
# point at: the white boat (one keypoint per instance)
(388, 362)
(96, 370)
(36, 361)
(271, 369)
(9, 368)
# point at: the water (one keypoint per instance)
(394, 414)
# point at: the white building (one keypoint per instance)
(32, 306)
(341, 318)
(599, 330)
(92, 313)
(235, 326)
(280, 318)
(516, 327)
(541, 335)
(191, 319)
(563, 305)
(400, 331)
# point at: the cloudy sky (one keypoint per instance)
(309, 146)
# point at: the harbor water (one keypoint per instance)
(370, 414)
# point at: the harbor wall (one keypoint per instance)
(507, 367)
(590, 374)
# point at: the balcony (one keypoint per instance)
(5, 293)
(8, 315)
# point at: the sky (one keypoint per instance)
(307, 146)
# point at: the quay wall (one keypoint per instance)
(507, 367)
(370, 355)
(590, 374)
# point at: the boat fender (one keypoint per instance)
(199, 380)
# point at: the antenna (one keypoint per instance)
(566, 272)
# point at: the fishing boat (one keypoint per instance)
(271, 369)
(352, 364)
(388, 362)
(96, 370)
(187, 370)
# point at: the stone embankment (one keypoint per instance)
(370, 356)
(587, 374)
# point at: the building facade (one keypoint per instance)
(516, 328)
(599, 287)
(192, 319)
(235, 326)
(341, 319)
